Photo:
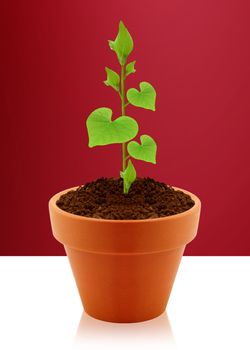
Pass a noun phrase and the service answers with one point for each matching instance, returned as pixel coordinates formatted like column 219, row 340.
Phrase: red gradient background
column 196, row 54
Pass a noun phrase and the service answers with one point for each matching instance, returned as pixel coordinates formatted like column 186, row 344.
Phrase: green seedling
column 102, row 130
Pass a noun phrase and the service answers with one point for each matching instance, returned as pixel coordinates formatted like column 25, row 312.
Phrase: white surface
column 209, row 309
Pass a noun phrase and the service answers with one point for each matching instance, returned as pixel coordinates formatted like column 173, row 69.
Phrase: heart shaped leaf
column 103, row 131
column 123, row 44
column 144, row 98
column 146, row 151
column 129, row 176
column 130, row 68
column 113, row 79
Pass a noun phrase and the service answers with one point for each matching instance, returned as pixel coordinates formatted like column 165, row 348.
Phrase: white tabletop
column 209, row 309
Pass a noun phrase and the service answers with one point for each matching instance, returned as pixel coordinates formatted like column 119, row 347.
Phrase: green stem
column 124, row 146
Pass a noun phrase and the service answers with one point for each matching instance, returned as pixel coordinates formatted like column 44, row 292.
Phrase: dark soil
column 104, row 199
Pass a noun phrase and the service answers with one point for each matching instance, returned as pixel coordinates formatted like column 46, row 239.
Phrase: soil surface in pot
column 104, row 199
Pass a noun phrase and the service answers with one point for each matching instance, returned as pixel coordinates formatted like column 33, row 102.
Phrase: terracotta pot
column 124, row 269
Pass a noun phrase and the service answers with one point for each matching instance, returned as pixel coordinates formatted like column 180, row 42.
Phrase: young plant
column 102, row 130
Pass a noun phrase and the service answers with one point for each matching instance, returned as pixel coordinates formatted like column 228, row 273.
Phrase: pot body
column 124, row 269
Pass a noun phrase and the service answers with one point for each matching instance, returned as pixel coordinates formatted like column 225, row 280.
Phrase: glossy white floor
column 209, row 309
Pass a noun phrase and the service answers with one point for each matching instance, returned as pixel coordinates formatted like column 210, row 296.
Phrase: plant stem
column 124, row 152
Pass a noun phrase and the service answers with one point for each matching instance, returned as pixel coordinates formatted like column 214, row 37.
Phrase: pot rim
column 55, row 197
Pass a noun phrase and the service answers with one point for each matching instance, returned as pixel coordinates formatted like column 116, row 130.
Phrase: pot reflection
column 99, row 334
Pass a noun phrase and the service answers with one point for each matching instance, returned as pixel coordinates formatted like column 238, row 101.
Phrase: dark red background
column 196, row 54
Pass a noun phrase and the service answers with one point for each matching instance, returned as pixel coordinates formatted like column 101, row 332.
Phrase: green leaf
column 113, row 79
column 129, row 176
column 130, row 68
column 144, row 98
column 103, row 131
column 123, row 44
column 146, row 151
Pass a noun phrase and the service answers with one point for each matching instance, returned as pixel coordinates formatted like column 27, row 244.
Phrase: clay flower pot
column 124, row 269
